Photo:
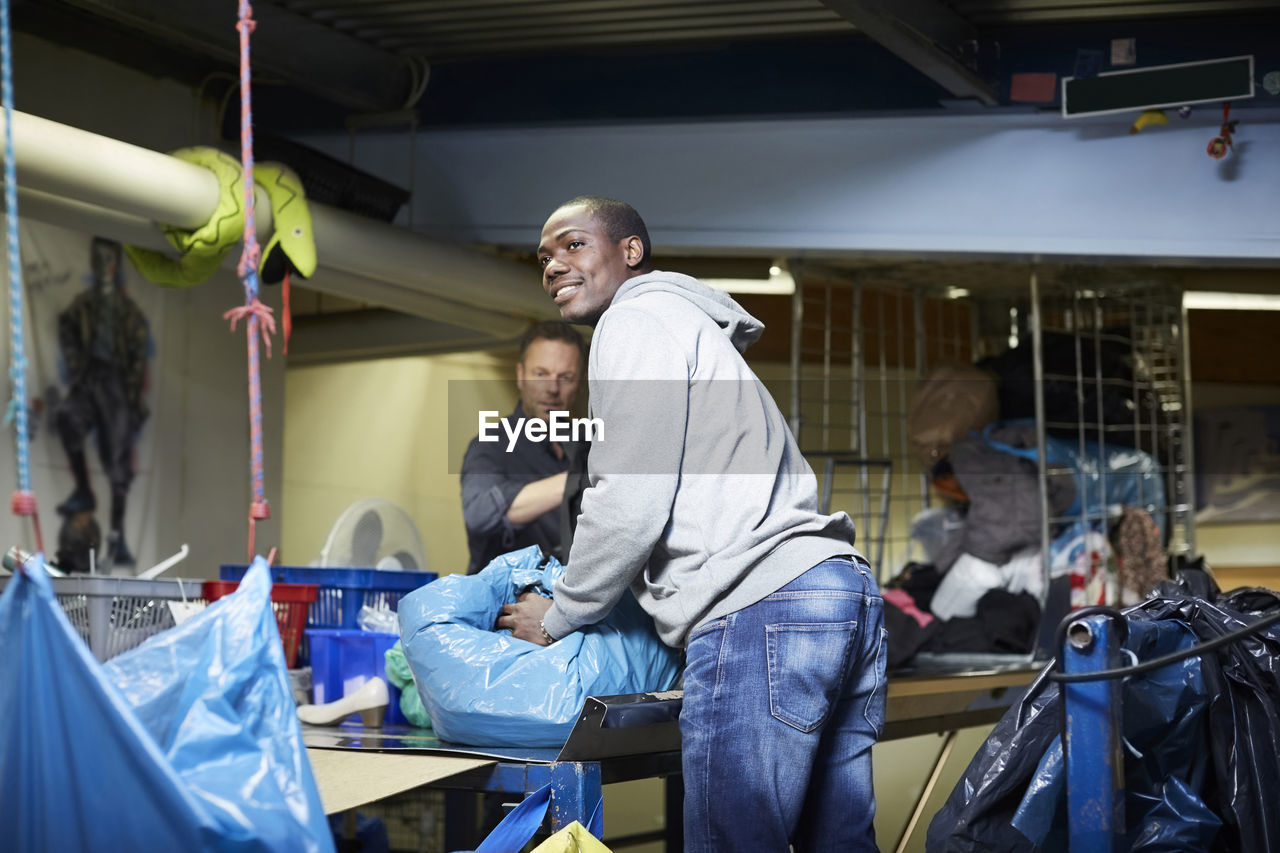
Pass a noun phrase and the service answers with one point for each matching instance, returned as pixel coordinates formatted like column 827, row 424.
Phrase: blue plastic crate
column 342, row 591
column 343, row 660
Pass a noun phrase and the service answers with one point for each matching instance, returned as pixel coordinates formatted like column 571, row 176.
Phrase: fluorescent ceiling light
column 779, row 283
column 1208, row 299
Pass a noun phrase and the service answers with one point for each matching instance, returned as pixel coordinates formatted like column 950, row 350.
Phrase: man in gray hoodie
column 701, row 505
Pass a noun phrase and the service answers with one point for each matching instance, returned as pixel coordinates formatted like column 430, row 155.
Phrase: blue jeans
column 782, row 703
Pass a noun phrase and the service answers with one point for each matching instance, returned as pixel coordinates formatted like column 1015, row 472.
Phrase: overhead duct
column 127, row 228
column 72, row 177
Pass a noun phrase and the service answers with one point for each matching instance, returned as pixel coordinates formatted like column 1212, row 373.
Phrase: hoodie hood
column 742, row 329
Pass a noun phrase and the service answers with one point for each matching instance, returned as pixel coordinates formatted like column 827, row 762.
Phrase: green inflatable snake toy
column 292, row 245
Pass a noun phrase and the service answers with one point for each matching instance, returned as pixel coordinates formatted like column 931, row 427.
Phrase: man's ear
column 633, row 251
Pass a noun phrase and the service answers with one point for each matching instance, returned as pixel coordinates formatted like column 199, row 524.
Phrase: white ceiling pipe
column 501, row 327
column 397, row 256
column 72, row 163
column 75, row 164
column 91, row 219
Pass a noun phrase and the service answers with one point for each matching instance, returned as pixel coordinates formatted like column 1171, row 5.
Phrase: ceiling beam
column 913, row 30
column 285, row 46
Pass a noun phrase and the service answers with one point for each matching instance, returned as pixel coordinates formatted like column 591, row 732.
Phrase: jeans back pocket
column 808, row 662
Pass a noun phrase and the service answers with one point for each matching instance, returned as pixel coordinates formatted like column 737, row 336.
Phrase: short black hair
column 553, row 330
column 620, row 220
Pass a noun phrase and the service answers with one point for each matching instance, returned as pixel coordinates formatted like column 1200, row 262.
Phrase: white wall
column 993, row 182
column 90, row 93
column 390, row 429
column 196, row 481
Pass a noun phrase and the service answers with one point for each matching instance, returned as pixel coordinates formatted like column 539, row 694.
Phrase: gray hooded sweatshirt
column 699, row 498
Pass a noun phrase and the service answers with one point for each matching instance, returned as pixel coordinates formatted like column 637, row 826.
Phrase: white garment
column 1024, row 573
column 963, row 585
column 970, row 578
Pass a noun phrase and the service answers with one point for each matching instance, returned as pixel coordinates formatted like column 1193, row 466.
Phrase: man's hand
column 524, row 618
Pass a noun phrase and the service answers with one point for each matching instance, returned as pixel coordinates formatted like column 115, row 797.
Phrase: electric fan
column 374, row 533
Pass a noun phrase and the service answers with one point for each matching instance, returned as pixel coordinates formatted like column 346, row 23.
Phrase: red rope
column 259, row 317
column 286, row 318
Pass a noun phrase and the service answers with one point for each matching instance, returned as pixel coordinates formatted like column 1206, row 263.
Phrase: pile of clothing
column 983, row 581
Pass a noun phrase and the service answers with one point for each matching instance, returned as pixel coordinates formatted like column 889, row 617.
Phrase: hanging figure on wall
column 104, row 339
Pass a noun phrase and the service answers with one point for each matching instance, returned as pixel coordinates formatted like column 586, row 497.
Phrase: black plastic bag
column 1244, row 725
column 1223, row 749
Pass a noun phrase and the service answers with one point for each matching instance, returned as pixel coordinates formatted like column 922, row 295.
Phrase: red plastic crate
column 290, row 602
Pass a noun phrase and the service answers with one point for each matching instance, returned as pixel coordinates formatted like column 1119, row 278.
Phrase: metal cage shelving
column 864, row 338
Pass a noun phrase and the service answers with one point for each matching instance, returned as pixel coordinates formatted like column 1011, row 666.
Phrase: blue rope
column 18, row 361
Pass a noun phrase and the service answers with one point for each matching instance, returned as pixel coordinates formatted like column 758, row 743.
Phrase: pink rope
column 260, row 321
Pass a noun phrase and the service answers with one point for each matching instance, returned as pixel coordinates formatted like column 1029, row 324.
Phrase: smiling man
column 701, row 505
column 512, row 488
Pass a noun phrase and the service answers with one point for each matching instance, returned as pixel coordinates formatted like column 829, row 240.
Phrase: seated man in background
column 511, row 497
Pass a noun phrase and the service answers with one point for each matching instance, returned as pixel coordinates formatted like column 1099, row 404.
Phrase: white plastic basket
column 114, row 614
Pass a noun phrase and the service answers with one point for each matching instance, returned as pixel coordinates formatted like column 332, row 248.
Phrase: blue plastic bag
column 1125, row 477
column 188, row 742
column 484, row 687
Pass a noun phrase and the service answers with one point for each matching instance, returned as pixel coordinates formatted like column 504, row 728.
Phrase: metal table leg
column 575, row 790
column 923, row 800
column 675, row 813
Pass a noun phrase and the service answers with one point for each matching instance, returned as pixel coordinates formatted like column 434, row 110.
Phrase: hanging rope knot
column 249, row 258
column 23, row 503
column 255, row 309
column 258, row 511
column 246, row 24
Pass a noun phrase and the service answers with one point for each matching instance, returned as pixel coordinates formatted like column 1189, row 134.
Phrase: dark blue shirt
column 491, row 479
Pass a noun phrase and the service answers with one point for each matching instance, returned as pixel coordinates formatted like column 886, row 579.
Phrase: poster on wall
column 91, row 328
column 1238, row 464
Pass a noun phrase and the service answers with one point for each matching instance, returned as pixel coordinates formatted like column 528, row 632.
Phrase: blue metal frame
column 1092, row 736
column 576, row 788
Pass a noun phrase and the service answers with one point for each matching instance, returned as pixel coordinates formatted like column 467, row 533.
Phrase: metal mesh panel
column 1144, row 325
column 862, row 342
column 862, row 347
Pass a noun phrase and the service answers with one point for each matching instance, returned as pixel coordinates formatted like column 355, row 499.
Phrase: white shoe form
column 370, row 701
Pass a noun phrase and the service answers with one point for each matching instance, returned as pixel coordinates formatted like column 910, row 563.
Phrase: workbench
column 618, row 739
